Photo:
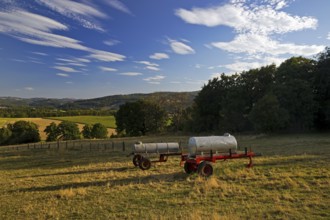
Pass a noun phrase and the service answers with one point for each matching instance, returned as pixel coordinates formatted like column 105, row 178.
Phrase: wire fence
column 91, row 145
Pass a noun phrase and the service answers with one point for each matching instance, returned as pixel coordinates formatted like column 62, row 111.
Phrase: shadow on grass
column 296, row 160
column 51, row 159
column 119, row 169
column 171, row 177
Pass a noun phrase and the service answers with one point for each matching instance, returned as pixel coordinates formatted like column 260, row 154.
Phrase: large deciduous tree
column 99, row 131
column 139, row 118
column 267, row 115
column 322, row 90
column 23, row 132
column 52, row 132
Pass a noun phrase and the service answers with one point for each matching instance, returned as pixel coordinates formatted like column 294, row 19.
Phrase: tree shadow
column 119, row 169
column 170, row 177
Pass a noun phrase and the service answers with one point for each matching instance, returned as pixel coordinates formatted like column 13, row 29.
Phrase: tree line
column 22, row 132
column 293, row 97
column 32, row 112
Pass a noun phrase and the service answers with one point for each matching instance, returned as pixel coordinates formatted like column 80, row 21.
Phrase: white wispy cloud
column 37, row 29
column 153, row 68
column 118, row 5
column 65, row 69
column 111, row 42
column 107, row 69
column 328, row 36
column 130, row 74
column 29, row 88
column 106, row 56
column 149, row 65
column 253, row 44
column 40, row 54
column 80, row 12
column 181, row 48
column 63, row 74
column 81, row 62
column 258, row 26
column 154, row 79
column 248, row 17
column 159, row 56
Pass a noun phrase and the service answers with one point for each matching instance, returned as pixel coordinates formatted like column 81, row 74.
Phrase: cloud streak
column 181, row 48
column 154, row 79
column 159, row 56
column 119, row 6
column 66, row 69
column 80, row 12
column 130, row 74
column 258, row 26
column 36, row 29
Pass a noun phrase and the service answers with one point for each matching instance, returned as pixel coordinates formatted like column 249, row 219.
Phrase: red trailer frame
column 199, row 163
column 202, row 163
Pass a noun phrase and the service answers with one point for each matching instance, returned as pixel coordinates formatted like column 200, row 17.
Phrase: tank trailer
column 202, row 152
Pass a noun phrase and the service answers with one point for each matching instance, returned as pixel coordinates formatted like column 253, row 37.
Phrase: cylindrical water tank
column 156, row 148
column 216, row 144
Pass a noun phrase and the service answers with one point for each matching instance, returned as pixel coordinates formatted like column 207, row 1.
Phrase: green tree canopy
column 267, row 115
column 23, row 132
column 87, row 131
column 68, row 130
column 5, row 135
column 52, row 132
column 139, row 118
column 99, row 131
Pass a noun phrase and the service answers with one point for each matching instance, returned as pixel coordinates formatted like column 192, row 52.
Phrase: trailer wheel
column 144, row 164
column 136, row 159
column 205, row 169
column 190, row 167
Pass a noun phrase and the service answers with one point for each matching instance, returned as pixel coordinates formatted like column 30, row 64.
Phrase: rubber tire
column 205, row 169
column 144, row 164
column 136, row 159
column 189, row 167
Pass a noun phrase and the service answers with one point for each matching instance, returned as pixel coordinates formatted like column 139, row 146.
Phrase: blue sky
column 87, row 49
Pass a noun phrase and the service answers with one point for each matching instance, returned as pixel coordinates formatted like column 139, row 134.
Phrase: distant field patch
column 41, row 122
column 108, row 121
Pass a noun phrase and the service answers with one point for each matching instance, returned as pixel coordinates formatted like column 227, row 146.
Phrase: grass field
column 290, row 181
column 108, row 121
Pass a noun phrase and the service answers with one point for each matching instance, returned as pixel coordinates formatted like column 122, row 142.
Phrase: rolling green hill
column 169, row 100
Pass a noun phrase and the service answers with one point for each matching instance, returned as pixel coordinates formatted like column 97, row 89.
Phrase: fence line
column 91, row 145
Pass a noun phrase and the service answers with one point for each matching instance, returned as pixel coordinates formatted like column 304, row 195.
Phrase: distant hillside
column 166, row 99
column 169, row 100
column 33, row 102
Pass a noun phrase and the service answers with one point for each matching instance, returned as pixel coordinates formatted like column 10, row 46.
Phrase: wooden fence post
column 124, row 146
column 113, row 146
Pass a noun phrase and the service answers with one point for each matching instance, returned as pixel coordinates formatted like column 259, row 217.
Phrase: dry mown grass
column 288, row 182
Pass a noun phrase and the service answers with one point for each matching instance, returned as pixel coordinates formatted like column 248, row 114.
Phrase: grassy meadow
column 290, row 181
column 108, row 121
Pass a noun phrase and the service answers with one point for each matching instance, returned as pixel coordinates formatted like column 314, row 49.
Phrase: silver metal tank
column 218, row 144
column 156, row 148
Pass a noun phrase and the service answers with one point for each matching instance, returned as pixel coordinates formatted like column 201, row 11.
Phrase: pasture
column 290, row 181
column 107, row 121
